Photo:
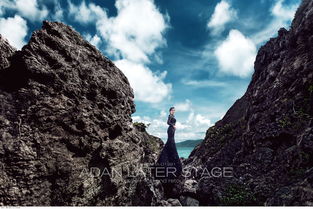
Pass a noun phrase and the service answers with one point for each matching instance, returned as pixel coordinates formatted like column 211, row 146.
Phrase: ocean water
column 184, row 151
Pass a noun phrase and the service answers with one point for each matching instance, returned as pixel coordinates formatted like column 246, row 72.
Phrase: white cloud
column 194, row 127
column 148, row 86
column 223, row 13
column 282, row 15
column 28, row 9
column 15, row 30
column 6, row 4
column 137, row 30
column 283, row 12
column 200, row 119
column 236, row 54
column 84, row 13
column 162, row 113
column 94, row 40
column 185, row 106
column 204, row 83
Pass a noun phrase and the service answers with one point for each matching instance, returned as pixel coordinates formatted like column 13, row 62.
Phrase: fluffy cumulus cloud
column 198, row 119
column 183, row 106
column 136, row 31
column 282, row 15
column 194, row 127
column 84, row 13
column 223, row 13
column 283, row 12
column 148, row 86
column 236, row 54
column 29, row 9
column 134, row 34
column 132, row 37
column 14, row 29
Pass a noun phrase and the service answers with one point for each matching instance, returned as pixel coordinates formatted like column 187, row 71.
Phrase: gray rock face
column 6, row 52
column 188, row 201
column 190, row 186
column 170, row 202
column 65, row 126
column 266, row 136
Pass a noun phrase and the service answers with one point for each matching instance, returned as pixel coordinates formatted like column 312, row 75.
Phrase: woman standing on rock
column 168, row 164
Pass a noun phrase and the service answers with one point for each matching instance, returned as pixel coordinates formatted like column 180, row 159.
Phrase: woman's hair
column 171, row 109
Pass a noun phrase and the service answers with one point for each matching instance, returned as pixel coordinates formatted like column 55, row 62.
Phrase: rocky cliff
column 266, row 137
column 66, row 128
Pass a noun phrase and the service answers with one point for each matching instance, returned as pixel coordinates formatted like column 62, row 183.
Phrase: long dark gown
column 168, row 163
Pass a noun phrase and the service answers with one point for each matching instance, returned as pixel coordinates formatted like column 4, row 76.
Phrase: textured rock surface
column 65, row 125
column 267, row 135
column 6, row 52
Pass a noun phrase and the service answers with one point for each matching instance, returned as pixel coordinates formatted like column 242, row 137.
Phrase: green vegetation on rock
column 238, row 194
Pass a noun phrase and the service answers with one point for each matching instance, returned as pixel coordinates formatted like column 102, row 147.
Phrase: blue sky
column 195, row 55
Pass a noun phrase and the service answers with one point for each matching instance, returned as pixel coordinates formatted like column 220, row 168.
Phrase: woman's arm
column 169, row 121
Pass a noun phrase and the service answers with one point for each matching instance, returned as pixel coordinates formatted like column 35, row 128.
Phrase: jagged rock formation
column 267, row 135
column 6, row 52
column 65, row 126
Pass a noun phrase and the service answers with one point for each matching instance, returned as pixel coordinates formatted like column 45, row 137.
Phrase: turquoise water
column 184, row 151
